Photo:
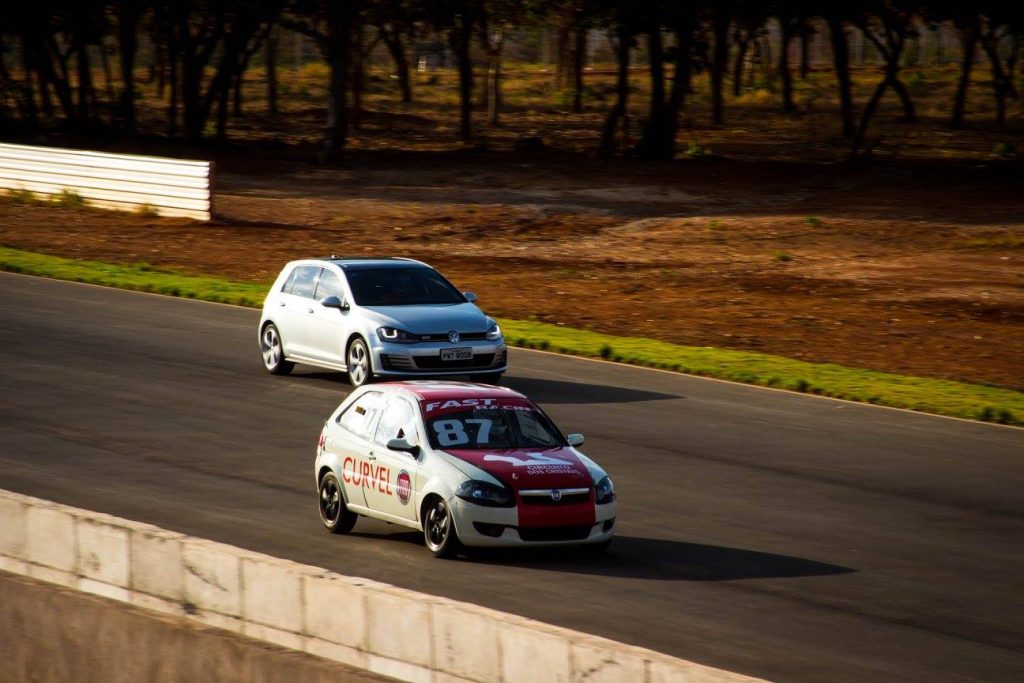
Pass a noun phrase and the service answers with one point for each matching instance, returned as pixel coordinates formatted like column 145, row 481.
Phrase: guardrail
column 127, row 182
column 370, row 625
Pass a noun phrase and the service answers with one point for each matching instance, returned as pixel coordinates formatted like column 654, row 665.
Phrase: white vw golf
column 467, row 464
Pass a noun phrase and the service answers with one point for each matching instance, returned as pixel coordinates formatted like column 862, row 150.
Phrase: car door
column 293, row 305
column 327, row 328
column 350, row 440
column 399, row 468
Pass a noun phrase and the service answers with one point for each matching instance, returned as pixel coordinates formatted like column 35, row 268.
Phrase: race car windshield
column 401, row 287
column 494, row 428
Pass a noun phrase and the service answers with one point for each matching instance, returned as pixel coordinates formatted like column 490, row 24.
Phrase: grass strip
column 943, row 397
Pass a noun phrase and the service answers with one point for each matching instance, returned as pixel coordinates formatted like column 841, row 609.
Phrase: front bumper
column 487, row 527
column 424, row 358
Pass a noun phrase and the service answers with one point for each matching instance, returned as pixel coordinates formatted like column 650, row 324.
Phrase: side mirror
column 470, row 297
column 575, row 440
column 403, row 445
column 334, row 302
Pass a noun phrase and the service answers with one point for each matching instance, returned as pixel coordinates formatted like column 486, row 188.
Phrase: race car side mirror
column 575, row 440
column 470, row 297
column 403, row 445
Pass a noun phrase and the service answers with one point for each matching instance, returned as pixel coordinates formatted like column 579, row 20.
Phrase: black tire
column 490, row 378
column 357, row 359
column 334, row 515
column 439, row 530
column 272, row 349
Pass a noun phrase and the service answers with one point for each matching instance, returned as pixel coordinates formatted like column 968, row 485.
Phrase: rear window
column 359, row 417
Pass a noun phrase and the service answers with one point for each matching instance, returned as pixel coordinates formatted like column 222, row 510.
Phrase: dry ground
column 913, row 268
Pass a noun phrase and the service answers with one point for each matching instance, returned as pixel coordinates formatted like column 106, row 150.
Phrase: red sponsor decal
column 366, row 475
column 404, row 487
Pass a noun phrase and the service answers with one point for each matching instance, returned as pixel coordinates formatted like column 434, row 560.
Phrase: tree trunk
column 742, row 43
column 841, row 61
column 990, row 44
column 172, row 105
column 396, row 48
column 719, row 61
column 805, row 49
column 579, row 60
column 85, row 87
column 865, row 119
column 336, row 132
column 621, row 109
column 271, row 66
column 494, row 101
column 127, row 25
column 358, row 78
column 784, row 75
column 461, row 36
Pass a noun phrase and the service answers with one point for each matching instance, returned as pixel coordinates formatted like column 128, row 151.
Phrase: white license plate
column 456, row 354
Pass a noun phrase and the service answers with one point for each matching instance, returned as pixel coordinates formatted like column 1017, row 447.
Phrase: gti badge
column 454, row 337
column 556, row 495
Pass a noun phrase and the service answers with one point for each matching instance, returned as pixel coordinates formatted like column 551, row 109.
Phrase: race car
column 466, row 464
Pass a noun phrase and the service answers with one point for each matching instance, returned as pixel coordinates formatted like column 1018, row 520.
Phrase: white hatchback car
column 467, row 464
column 375, row 317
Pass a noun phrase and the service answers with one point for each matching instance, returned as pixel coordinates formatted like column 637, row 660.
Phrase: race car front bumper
column 490, row 527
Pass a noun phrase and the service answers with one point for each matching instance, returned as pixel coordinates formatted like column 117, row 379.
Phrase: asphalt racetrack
column 779, row 535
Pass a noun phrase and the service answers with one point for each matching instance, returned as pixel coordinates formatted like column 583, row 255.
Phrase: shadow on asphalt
column 632, row 557
column 540, row 390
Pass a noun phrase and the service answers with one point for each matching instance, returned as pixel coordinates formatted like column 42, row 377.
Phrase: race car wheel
column 439, row 529
column 491, row 378
column 273, row 351
column 334, row 515
column 360, row 370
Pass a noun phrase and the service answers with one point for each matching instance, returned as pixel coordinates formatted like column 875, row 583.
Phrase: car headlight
column 393, row 334
column 605, row 490
column 484, row 493
column 494, row 334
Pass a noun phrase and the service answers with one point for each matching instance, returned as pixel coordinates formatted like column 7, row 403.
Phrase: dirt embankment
column 910, row 269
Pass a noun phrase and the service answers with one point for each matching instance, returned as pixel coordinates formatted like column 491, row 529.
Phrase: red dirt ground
column 912, row 268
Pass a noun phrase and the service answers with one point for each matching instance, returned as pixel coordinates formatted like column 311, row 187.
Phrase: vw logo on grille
column 556, row 495
column 454, row 337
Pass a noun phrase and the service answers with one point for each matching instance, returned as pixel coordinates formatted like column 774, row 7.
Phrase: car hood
column 519, row 469
column 431, row 318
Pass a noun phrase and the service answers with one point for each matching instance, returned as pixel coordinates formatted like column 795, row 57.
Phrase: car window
column 329, row 285
column 287, row 287
column 359, row 417
column 396, row 422
column 401, row 287
column 303, row 281
column 493, row 427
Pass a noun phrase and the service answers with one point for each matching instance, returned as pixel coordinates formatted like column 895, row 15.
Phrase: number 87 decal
column 453, row 432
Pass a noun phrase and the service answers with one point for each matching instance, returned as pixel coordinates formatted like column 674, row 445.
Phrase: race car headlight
column 484, row 493
column 605, row 490
column 393, row 334
column 494, row 334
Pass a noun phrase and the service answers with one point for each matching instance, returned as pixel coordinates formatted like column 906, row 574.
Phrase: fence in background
column 124, row 182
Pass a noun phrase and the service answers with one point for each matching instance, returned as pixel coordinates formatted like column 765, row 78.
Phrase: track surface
column 779, row 535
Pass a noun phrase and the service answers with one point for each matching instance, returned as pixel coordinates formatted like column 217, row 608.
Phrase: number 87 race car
column 466, row 464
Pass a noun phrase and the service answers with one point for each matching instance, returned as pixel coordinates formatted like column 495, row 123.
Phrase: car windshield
column 401, row 287
column 494, row 428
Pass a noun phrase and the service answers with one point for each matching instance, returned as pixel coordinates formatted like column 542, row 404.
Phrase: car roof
column 375, row 262
column 433, row 390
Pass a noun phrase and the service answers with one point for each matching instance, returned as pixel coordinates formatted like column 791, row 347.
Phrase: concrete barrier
column 358, row 622
column 126, row 182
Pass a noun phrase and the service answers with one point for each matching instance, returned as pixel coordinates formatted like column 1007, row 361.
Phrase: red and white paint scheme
column 467, row 464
